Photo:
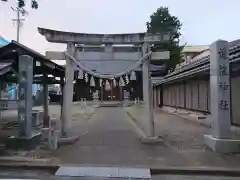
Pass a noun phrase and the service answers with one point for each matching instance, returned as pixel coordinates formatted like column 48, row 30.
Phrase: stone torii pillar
column 147, row 93
column 220, row 139
column 68, row 92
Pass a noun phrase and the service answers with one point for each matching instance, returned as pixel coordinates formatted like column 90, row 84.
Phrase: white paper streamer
column 86, row 77
column 80, row 74
column 107, row 86
column 114, row 83
column 100, row 82
column 121, row 82
column 133, row 76
column 127, row 79
column 92, row 82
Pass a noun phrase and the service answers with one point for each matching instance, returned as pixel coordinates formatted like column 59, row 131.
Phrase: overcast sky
column 203, row 21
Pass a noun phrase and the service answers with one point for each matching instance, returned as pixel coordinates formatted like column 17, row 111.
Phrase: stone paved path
column 109, row 139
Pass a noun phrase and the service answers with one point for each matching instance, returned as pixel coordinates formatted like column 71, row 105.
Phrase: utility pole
column 20, row 12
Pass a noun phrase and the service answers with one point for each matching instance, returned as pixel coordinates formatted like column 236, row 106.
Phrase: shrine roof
column 201, row 63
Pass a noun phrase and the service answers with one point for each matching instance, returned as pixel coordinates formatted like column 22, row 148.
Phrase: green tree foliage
column 21, row 3
column 163, row 21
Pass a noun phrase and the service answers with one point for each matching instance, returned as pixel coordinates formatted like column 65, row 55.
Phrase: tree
column 163, row 21
column 21, row 3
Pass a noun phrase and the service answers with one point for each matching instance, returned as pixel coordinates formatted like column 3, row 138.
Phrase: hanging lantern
column 114, row 83
column 80, row 74
column 107, row 86
column 121, row 82
column 133, row 76
column 92, row 82
column 100, row 82
column 127, row 79
column 86, row 77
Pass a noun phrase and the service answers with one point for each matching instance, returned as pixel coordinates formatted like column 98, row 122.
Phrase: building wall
column 189, row 94
column 235, row 94
column 194, row 94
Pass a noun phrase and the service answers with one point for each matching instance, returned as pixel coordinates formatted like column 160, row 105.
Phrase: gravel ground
column 79, row 118
column 185, row 138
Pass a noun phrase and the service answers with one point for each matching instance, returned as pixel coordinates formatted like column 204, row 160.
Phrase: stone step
column 116, row 104
column 104, row 172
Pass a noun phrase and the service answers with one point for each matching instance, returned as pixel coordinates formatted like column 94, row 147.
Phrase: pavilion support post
column 68, row 92
column 101, row 93
column 1, row 89
column 46, row 118
column 220, row 139
column 147, row 94
column 61, row 100
column 161, row 96
column 121, row 93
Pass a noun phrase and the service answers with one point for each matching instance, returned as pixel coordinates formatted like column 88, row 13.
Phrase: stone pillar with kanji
column 220, row 139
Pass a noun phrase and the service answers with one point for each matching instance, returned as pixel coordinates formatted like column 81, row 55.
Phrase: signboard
column 161, row 55
column 55, row 55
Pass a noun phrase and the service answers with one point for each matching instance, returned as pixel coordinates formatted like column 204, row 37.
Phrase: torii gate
column 71, row 39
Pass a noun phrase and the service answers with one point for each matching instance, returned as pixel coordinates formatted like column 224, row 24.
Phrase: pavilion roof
column 10, row 53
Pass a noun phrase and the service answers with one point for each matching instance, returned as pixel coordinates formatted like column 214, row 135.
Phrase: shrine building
column 111, row 59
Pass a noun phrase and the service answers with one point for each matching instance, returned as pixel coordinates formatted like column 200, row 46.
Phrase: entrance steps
column 116, row 104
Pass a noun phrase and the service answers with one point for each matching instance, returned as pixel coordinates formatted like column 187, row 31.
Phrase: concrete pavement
column 111, row 139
